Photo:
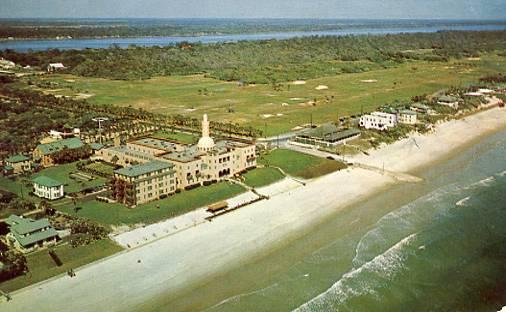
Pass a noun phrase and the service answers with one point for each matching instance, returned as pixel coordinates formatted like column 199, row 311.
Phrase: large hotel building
column 155, row 168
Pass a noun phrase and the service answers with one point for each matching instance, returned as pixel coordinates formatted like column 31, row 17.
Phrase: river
column 367, row 27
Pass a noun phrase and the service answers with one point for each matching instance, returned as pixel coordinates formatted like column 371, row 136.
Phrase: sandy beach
column 123, row 282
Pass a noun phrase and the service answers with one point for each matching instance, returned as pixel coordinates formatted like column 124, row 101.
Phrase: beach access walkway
column 144, row 234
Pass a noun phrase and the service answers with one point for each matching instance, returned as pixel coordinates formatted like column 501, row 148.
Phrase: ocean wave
column 463, row 201
column 502, row 174
column 483, row 182
column 414, row 216
column 238, row 297
column 402, row 221
column 384, row 266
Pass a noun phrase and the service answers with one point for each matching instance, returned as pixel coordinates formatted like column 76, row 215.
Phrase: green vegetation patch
column 262, row 176
column 155, row 211
column 41, row 266
column 299, row 164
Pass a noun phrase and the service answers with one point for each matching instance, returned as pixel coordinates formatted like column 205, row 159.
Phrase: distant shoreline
column 81, row 37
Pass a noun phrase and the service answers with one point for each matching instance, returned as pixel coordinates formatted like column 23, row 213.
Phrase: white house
column 407, row 117
column 6, row 64
column 379, row 121
column 52, row 67
column 48, row 188
column 61, row 135
column 449, row 101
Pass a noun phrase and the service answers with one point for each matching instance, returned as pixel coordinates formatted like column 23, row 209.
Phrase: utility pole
column 100, row 120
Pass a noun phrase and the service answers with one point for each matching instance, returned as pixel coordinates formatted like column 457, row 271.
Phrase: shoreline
column 173, row 263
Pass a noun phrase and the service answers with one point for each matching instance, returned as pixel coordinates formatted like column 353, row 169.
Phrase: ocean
column 342, row 27
column 439, row 245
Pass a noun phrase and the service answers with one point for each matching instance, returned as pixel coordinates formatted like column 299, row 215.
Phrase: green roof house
column 28, row 234
column 18, row 163
column 48, row 188
column 44, row 151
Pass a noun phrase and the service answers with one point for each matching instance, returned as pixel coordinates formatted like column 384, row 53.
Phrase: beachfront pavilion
column 327, row 135
column 27, row 234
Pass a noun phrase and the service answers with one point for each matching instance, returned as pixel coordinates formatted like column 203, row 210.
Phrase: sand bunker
column 284, row 104
column 83, row 96
column 279, row 114
column 189, row 110
column 296, row 99
column 321, row 87
column 369, row 80
column 299, row 82
column 267, row 115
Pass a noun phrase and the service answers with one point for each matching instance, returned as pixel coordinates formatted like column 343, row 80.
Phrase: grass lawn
column 172, row 206
column 17, row 187
column 262, row 176
column 42, row 266
column 262, row 107
column 21, row 187
column 299, row 164
column 176, row 136
column 62, row 173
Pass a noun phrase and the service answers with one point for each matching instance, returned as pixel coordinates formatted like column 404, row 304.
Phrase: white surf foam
column 385, row 265
column 238, row 297
column 463, row 201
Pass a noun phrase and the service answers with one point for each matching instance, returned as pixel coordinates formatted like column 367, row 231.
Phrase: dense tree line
column 268, row 61
column 99, row 28
column 68, row 155
column 19, row 132
column 85, row 232
column 24, row 121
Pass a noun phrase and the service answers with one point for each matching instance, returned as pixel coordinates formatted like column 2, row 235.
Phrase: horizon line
column 265, row 18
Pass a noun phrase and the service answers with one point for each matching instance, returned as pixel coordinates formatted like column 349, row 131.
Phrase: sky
column 371, row 9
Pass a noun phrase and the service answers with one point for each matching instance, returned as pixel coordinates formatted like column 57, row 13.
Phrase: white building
column 61, row 135
column 6, row 64
column 52, row 67
column 48, row 188
column 407, row 117
column 378, row 121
